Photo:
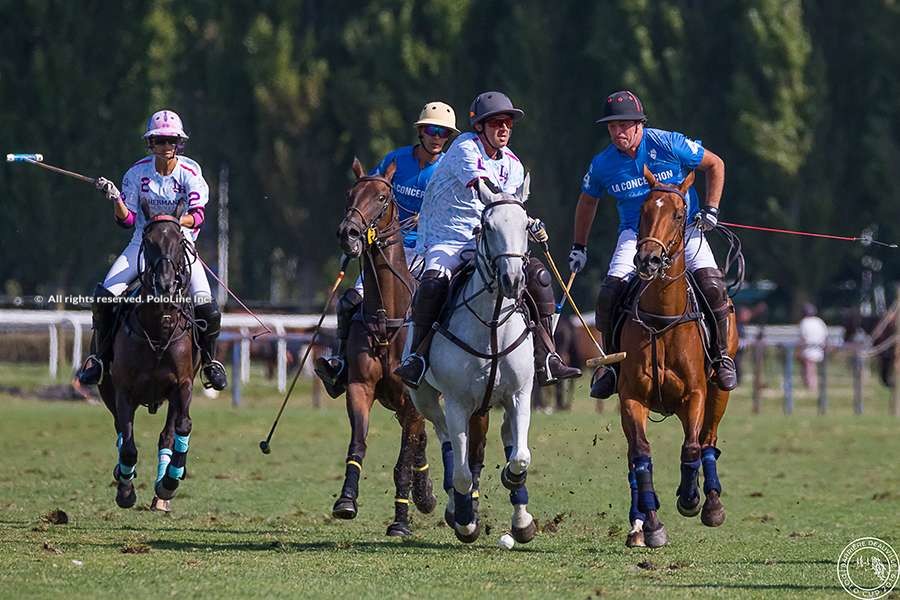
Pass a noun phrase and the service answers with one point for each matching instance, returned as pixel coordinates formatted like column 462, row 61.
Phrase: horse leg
column 422, row 488
column 713, row 513
column 427, row 401
column 646, row 528
column 523, row 527
column 166, row 443
column 687, row 496
column 478, row 428
column 125, row 471
column 403, row 469
column 168, row 485
column 360, row 396
column 466, row 525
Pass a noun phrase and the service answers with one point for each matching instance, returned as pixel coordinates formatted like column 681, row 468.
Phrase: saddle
column 698, row 310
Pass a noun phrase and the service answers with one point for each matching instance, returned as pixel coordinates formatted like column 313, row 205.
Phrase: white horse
column 483, row 355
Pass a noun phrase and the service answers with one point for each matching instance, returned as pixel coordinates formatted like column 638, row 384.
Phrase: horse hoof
column 523, row 535
column 426, row 506
column 511, row 481
column 448, row 518
column 160, row 505
column 126, row 497
column 656, row 538
column 635, row 539
column 164, row 493
column 399, row 529
column 713, row 513
column 344, row 508
column 687, row 511
column 470, row 537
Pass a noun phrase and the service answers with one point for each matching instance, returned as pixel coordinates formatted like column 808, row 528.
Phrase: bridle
column 485, row 260
column 182, row 268
column 667, row 256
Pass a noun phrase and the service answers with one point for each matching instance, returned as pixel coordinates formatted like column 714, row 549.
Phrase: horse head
column 370, row 207
column 503, row 241
column 661, row 235
column 165, row 269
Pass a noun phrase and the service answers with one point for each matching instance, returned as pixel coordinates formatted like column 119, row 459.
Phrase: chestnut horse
column 371, row 232
column 666, row 370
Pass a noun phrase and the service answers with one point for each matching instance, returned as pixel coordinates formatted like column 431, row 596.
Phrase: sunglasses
column 162, row 141
column 436, row 131
column 499, row 122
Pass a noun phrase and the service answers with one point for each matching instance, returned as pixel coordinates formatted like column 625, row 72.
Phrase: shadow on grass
column 785, row 587
column 322, row 546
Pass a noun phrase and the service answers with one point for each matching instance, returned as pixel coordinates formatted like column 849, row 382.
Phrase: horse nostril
column 655, row 261
column 353, row 232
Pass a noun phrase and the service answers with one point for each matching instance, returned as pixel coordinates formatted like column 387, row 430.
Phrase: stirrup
column 210, row 380
column 84, row 366
column 330, row 369
column 599, row 389
column 405, row 370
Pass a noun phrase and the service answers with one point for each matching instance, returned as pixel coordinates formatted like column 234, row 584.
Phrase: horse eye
column 382, row 198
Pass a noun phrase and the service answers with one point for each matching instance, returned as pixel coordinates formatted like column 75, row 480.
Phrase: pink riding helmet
column 166, row 123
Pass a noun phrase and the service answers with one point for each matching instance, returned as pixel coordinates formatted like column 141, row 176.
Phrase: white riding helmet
column 165, row 123
column 438, row 113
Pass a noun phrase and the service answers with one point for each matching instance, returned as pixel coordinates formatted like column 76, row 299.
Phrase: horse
column 371, row 232
column 155, row 359
column 482, row 355
column 666, row 371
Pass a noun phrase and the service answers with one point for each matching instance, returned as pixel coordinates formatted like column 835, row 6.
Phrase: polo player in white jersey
column 451, row 211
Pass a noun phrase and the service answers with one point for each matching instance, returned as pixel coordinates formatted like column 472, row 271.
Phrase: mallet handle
column 90, row 180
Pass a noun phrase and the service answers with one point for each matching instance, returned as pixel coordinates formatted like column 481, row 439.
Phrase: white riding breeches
column 413, row 263
column 697, row 253
column 447, row 257
column 126, row 269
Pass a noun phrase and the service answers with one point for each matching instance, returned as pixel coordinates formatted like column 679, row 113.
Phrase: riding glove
column 108, row 188
column 708, row 218
column 537, row 231
column 577, row 257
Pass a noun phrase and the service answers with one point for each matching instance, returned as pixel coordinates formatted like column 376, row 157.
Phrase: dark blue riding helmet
column 622, row 106
column 488, row 104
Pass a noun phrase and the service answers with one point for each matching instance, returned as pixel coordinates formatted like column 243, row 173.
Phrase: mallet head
column 24, row 157
column 264, row 446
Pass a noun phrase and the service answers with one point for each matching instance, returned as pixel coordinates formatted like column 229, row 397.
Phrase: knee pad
column 712, row 284
column 538, row 282
column 209, row 312
column 433, row 286
column 348, row 301
column 610, row 291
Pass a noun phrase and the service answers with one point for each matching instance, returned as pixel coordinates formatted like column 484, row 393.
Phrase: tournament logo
column 868, row 568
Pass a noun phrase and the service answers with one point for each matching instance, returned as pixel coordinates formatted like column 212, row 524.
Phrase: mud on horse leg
column 422, row 488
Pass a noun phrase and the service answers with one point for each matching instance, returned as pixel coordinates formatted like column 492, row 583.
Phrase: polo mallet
column 604, row 358
column 264, row 444
column 38, row 159
column 560, row 304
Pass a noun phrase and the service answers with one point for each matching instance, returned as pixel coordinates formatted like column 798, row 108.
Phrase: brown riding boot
column 605, row 380
column 548, row 366
column 430, row 299
column 712, row 284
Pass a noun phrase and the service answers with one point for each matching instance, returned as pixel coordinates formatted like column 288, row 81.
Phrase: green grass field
column 797, row 490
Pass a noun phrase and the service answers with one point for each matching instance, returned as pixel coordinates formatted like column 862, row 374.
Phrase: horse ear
column 389, row 172
column 358, row 168
column 180, row 208
column 649, row 177
column 145, row 208
column 525, row 189
column 687, row 183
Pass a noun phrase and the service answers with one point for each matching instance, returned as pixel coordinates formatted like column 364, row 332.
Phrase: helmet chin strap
column 425, row 148
column 484, row 140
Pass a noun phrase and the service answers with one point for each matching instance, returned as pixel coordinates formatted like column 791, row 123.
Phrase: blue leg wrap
column 710, row 475
column 634, row 513
column 165, row 457
column 463, row 512
column 643, row 474
column 181, row 443
column 179, row 457
column 507, row 450
column 520, row 494
column 447, row 459
column 687, row 489
column 126, row 471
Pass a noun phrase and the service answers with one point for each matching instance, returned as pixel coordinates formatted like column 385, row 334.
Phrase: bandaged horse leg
column 168, row 485
column 466, row 524
column 165, row 445
column 413, row 429
column 422, row 488
column 713, row 513
column 333, row 370
column 125, row 471
column 523, row 527
column 605, row 378
column 548, row 366
column 427, row 305
column 360, row 397
column 646, row 528
column 688, row 493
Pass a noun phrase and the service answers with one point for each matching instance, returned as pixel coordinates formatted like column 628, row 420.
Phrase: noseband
column 369, row 227
column 666, row 256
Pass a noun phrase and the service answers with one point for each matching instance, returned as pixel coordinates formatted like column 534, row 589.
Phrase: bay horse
column 154, row 358
column 666, row 370
column 482, row 355
column 372, row 232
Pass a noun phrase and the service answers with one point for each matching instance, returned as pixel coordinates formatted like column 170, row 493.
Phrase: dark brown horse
column 666, row 370
column 154, row 359
column 371, row 232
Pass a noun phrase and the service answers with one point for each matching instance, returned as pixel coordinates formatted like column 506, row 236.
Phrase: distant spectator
column 813, row 337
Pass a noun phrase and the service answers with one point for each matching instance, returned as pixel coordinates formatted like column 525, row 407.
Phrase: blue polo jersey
column 409, row 185
column 669, row 155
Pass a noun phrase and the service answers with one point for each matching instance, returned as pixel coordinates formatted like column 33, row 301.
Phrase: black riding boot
column 712, row 284
column 213, row 371
column 430, row 298
column 548, row 366
column 605, row 381
column 103, row 322
column 333, row 370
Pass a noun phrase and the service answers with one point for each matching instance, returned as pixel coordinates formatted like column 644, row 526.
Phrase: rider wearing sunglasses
column 618, row 172
column 415, row 165
column 450, row 213
column 163, row 179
